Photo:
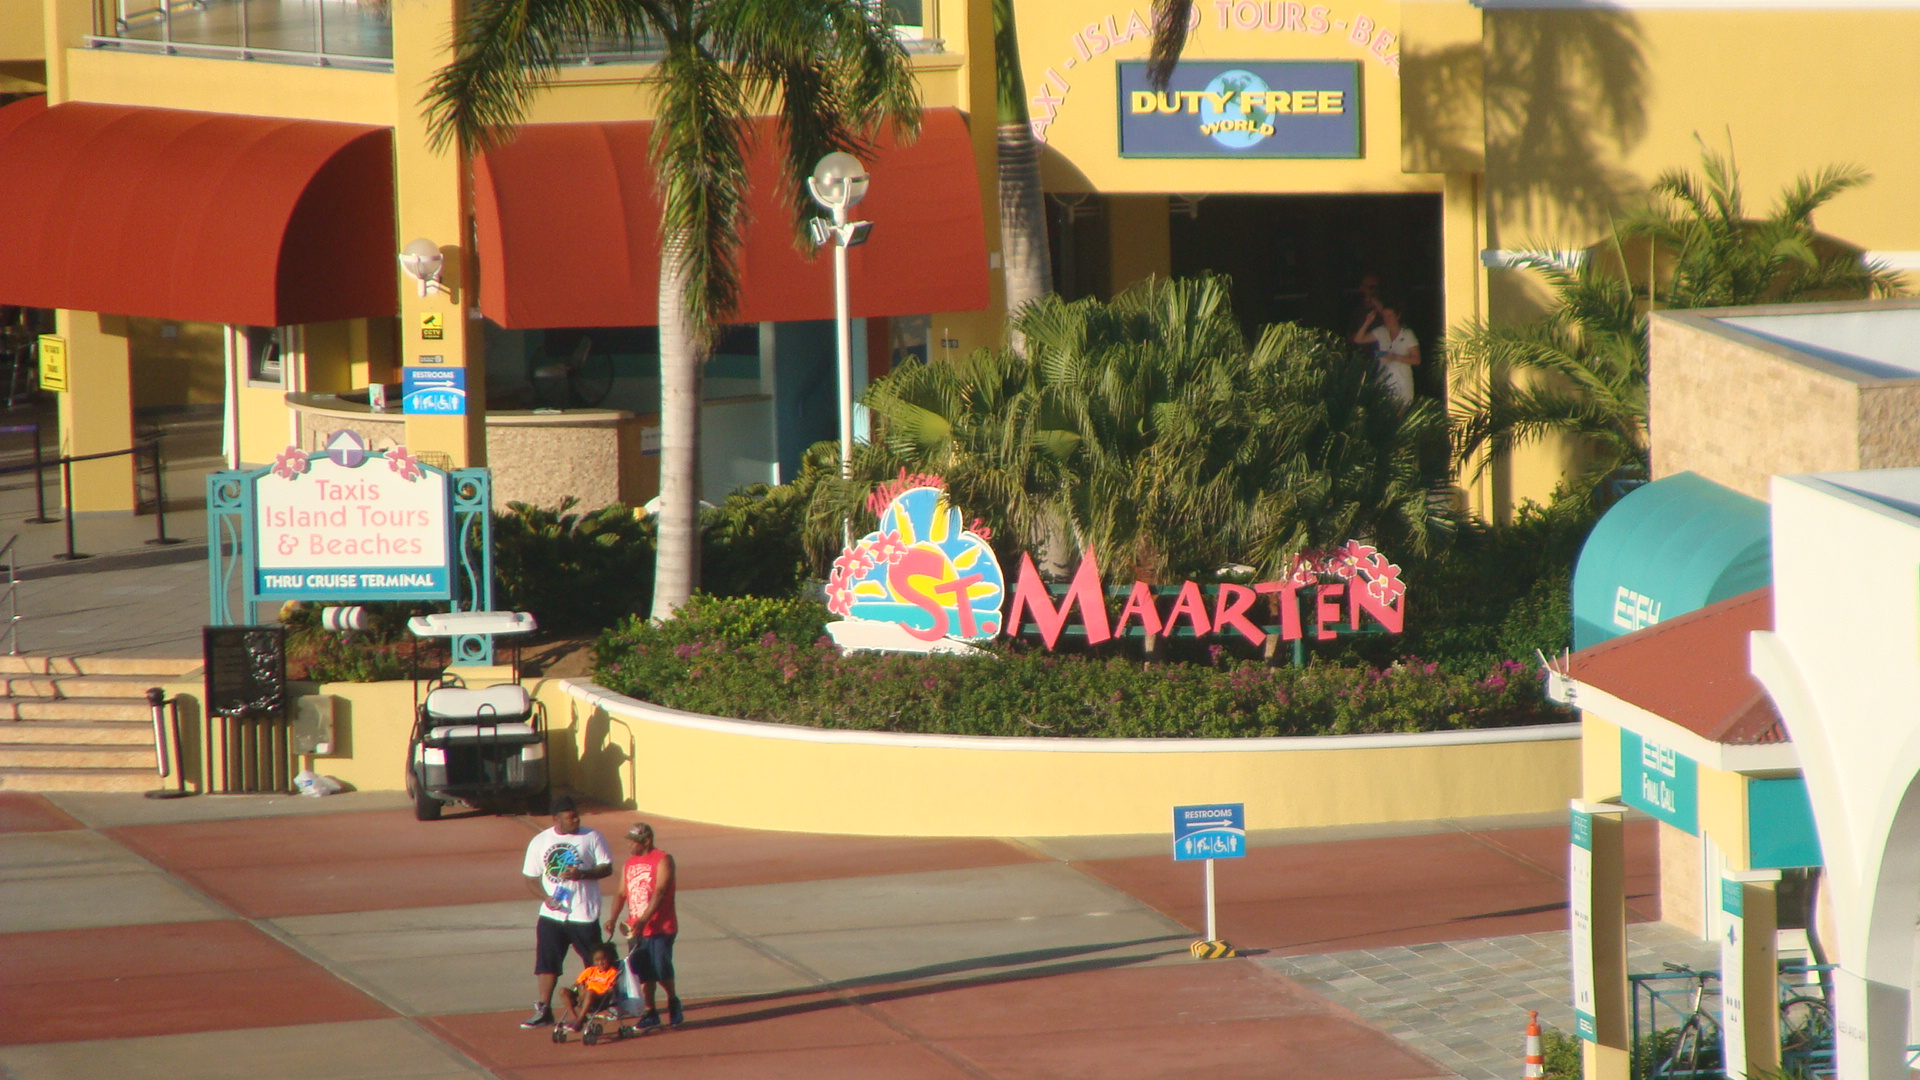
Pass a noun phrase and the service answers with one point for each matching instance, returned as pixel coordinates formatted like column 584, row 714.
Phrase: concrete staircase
column 80, row 723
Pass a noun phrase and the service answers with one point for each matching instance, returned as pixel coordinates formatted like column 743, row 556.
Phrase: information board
column 1213, row 831
column 1580, row 901
column 352, row 524
column 1733, row 979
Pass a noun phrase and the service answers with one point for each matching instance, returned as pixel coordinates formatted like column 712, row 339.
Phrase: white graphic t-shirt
column 552, row 852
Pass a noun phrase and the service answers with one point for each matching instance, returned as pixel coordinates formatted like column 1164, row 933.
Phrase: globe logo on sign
column 1230, row 125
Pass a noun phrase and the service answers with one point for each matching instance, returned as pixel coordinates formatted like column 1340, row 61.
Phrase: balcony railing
column 332, row 33
column 356, row 34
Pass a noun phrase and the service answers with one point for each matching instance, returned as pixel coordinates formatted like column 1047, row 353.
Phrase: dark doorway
column 1300, row 258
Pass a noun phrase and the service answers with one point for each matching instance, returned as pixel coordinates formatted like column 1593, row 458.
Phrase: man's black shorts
column 651, row 957
column 552, row 938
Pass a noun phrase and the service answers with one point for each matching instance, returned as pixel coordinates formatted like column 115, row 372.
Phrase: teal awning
column 1672, row 546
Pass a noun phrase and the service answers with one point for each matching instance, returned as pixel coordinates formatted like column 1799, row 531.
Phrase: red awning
column 209, row 217
column 567, row 230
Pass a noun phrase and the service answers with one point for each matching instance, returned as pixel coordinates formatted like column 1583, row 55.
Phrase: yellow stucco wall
column 1722, row 815
column 746, row 775
column 749, row 777
column 1082, row 135
column 296, row 91
column 1540, row 126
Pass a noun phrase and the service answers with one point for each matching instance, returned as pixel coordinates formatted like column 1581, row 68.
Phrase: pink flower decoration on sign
column 404, row 463
column 1306, row 569
column 888, row 549
column 840, row 590
column 290, row 463
column 1383, row 581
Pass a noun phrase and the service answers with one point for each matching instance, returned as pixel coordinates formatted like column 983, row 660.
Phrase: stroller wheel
column 590, row 1036
column 559, row 1033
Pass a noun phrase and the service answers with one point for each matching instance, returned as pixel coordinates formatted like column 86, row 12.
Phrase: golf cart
column 482, row 746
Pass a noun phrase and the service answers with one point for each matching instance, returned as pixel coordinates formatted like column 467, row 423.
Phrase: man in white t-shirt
column 1395, row 350
column 563, row 869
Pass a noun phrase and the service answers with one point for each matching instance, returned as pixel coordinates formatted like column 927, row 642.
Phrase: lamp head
column 838, row 181
column 422, row 261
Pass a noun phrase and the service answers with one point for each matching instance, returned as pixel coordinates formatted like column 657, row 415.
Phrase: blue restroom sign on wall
column 434, row 391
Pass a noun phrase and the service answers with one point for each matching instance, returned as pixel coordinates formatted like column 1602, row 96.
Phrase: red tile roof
column 1692, row 670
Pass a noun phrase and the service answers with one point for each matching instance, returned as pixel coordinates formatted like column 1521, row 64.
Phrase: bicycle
column 1696, row 1047
column 582, row 379
column 1806, row 1034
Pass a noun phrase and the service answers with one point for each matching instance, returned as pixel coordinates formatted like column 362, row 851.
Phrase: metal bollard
column 157, row 701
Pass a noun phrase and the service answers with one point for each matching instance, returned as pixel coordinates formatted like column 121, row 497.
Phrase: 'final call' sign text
column 1244, row 109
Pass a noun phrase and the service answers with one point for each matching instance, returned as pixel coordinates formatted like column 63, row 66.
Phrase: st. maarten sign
column 923, row 582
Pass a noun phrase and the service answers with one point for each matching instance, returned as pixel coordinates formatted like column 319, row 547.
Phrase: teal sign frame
column 234, row 577
column 1661, row 781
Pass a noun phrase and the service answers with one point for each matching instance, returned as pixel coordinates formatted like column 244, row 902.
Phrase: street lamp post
column 838, row 182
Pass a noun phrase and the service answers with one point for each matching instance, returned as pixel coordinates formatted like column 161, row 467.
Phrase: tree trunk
column 1026, row 261
column 676, row 567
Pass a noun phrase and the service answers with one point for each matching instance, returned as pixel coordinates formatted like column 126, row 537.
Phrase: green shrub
column 766, row 660
column 573, row 571
column 1562, row 1053
column 353, row 658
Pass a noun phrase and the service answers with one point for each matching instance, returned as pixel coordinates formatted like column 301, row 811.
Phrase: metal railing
column 150, row 445
column 197, row 27
column 13, row 596
column 193, row 27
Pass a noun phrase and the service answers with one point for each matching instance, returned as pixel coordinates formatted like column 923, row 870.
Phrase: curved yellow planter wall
column 775, row 776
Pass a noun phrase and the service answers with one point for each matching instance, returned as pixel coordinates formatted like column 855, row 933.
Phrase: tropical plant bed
column 765, row 660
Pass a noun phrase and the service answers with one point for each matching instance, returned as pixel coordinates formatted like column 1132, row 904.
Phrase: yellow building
column 1302, row 147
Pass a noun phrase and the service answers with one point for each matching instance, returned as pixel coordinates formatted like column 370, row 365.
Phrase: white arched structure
column 1842, row 665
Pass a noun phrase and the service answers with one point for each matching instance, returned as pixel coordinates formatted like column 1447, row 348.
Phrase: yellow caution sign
column 1211, row 950
column 53, row 363
column 432, row 326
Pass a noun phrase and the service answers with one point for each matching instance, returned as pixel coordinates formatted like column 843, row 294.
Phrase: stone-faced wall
column 1738, row 409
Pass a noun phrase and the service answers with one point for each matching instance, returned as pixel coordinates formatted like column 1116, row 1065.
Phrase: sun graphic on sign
column 923, row 570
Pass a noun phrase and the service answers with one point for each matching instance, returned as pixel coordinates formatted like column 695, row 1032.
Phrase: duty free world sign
column 1242, row 109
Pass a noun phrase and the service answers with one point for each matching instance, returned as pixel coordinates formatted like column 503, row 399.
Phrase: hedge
column 766, row 660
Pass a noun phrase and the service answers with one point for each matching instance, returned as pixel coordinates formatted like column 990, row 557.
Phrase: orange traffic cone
column 1536, row 1061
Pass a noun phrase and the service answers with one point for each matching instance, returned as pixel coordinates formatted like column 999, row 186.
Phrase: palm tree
column 831, row 70
column 1581, row 372
column 1025, row 257
column 1722, row 258
column 1148, row 428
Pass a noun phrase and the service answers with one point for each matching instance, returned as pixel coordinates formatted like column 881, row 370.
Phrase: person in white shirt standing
column 563, row 868
column 1396, row 350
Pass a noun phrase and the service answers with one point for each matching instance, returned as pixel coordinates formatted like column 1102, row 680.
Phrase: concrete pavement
column 320, row 938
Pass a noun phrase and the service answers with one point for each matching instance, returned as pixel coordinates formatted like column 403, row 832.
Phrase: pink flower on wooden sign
column 290, row 463
column 404, row 463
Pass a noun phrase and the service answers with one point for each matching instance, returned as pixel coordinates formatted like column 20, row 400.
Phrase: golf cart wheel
column 425, row 806
column 590, row 1036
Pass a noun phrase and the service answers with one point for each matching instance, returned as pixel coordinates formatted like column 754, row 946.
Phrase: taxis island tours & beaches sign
column 924, row 582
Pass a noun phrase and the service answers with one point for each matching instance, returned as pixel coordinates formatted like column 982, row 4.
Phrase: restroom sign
column 1242, row 109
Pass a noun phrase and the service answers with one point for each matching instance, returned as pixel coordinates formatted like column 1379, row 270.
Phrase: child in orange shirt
column 595, row 989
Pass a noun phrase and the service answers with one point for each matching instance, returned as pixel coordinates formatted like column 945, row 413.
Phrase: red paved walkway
column 1112, row 1020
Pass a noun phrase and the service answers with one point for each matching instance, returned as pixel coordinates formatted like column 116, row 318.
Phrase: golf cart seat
column 494, row 712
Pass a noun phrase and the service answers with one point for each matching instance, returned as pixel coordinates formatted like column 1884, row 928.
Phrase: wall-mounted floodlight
column 422, row 261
